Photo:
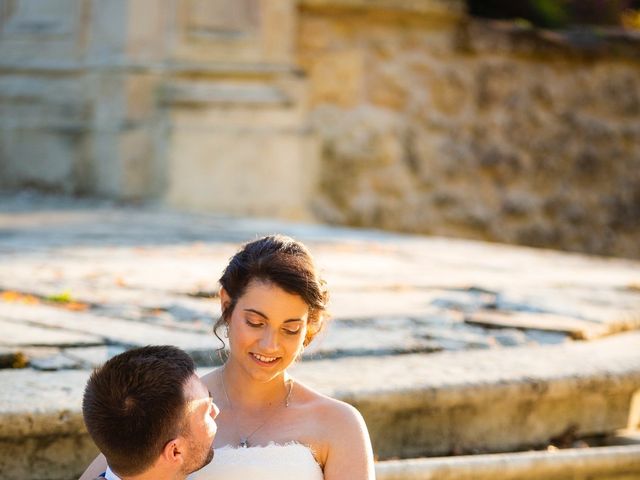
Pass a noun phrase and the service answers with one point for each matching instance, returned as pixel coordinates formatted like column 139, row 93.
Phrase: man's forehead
column 196, row 393
column 197, row 404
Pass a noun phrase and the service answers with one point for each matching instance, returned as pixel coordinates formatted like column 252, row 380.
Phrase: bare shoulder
column 339, row 414
column 333, row 412
column 337, row 424
column 345, row 451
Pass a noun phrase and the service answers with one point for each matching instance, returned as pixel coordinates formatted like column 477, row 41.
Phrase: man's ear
column 225, row 299
column 173, row 452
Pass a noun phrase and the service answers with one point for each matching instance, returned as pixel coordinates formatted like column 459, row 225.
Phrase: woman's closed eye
column 292, row 330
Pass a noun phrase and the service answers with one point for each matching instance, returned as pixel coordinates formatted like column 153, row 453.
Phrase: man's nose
column 215, row 411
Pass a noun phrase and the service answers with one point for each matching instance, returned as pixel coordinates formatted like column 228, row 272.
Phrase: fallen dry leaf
column 633, row 287
column 20, row 360
column 75, row 306
column 11, row 296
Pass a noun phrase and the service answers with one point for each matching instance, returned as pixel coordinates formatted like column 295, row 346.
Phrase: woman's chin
column 266, row 371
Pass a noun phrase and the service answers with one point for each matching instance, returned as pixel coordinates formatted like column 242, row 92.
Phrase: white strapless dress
column 292, row 461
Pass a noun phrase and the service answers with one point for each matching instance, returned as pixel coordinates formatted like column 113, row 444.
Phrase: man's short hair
column 135, row 403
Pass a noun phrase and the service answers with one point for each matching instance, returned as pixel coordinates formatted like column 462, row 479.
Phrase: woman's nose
column 269, row 341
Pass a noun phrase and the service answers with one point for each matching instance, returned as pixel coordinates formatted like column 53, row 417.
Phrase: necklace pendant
column 244, row 443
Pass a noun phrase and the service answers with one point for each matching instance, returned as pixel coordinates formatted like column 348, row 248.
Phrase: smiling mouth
column 264, row 359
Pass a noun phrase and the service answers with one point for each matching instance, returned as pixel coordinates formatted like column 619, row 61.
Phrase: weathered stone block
column 107, row 39
column 147, row 25
column 233, row 31
column 337, row 78
column 39, row 457
column 242, row 172
column 122, row 32
column 490, row 121
column 36, row 32
column 123, row 100
column 121, row 163
column 230, row 17
column 41, row 101
column 42, row 159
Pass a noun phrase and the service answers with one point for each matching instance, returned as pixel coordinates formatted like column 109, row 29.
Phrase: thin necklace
column 244, row 440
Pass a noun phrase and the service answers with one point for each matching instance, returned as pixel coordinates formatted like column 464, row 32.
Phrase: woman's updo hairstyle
column 284, row 262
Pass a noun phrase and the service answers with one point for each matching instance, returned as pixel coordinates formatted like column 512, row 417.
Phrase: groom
column 150, row 415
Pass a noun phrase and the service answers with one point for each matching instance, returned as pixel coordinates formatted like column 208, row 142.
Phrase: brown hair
column 284, row 262
column 135, row 403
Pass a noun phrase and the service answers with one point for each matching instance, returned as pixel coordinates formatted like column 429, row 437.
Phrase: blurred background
column 142, row 141
column 506, row 121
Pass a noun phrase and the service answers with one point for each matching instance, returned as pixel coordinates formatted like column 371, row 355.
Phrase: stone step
column 493, row 400
column 102, row 328
column 601, row 463
column 576, row 328
column 414, row 405
column 14, row 333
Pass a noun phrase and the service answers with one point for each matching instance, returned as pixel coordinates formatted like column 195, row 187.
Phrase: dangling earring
column 226, row 330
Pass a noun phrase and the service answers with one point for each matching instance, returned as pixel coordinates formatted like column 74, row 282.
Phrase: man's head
column 146, row 408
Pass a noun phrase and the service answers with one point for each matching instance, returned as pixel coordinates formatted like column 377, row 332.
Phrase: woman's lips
column 264, row 360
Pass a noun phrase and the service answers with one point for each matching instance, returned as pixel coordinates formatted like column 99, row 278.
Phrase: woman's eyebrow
column 258, row 312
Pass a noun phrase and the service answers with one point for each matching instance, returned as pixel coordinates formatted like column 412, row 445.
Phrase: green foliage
column 556, row 13
column 552, row 12
column 63, row 297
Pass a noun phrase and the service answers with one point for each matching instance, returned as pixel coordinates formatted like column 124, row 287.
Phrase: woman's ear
column 225, row 299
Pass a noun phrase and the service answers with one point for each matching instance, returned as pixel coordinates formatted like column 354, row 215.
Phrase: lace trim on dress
column 288, row 461
column 236, row 454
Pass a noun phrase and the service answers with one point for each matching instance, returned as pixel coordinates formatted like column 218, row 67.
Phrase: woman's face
column 266, row 329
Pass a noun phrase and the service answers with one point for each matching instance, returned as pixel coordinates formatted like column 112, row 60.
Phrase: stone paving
column 77, row 275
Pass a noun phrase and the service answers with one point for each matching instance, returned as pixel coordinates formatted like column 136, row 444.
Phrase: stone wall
column 433, row 123
column 399, row 114
column 193, row 103
column 76, row 98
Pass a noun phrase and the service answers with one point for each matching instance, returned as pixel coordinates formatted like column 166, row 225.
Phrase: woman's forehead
column 268, row 296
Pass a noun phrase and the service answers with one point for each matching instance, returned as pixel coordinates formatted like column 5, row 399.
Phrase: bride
column 271, row 426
